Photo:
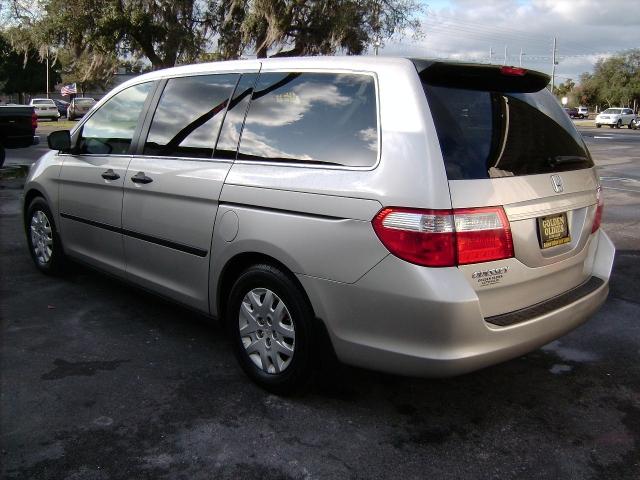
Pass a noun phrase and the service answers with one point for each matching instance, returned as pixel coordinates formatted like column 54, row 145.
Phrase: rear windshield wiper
column 561, row 159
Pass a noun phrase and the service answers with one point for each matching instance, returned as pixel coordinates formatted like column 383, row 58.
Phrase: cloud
column 585, row 30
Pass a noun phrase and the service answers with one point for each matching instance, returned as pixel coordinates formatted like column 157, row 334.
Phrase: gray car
column 417, row 217
column 79, row 107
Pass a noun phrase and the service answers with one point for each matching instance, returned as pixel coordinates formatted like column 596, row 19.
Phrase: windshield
column 486, row 134
column 613, row 110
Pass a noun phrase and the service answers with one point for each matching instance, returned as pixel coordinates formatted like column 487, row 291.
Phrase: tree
column 163, row 31
column 617, row 79
column 24, row 72
column 564, row 89
column 307, row 27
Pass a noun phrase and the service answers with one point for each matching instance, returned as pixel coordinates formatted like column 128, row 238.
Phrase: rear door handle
column 110, row 175
column 140, row 177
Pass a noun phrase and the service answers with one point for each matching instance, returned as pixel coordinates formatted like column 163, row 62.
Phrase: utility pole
column 490, row 55
column 553, row 67
column 47, row 64
column 505, row 55
column 521, row 54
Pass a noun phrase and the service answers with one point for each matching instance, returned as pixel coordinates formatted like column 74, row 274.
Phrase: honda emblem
column 558, row 185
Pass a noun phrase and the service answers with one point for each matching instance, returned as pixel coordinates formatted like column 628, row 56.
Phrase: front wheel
column 598, row 125
column 630, row 126
column 619, row 124
column 270, row 323
column 42, row 237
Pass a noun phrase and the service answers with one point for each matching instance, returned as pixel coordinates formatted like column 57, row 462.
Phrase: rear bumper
column 606, row 121
column 51, row 114
column 405, row 319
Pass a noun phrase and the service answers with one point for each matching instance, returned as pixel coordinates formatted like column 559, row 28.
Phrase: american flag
column 69, row 89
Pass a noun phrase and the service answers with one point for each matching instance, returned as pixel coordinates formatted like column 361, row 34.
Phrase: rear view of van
column 425, row 217
column 522, row 234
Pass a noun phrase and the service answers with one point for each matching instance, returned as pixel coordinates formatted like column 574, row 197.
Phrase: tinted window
column 489, row 134
column 188, row 117
column 232, row 126
column 110, row 129
column 312, row 118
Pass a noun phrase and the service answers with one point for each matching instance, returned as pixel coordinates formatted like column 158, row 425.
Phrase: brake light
column 513, row 71
column 600, row 206
column 445, row 238
column 34, row 120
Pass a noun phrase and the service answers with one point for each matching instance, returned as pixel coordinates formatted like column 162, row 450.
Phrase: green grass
column 59, row 125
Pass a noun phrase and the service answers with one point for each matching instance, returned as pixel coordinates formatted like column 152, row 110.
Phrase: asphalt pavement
column 100, row 380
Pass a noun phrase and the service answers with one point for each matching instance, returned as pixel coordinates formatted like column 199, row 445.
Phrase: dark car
column 17, row 128
column 572, row 112
column 62, row 107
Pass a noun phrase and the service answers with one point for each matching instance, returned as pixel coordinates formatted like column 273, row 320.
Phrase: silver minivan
column 417, row 217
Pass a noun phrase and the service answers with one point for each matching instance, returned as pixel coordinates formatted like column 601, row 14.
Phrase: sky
column 468, row 29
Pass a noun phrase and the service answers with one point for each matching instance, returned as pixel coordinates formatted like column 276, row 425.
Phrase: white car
column 583, row 112
column 45, row 108
column 615, row 117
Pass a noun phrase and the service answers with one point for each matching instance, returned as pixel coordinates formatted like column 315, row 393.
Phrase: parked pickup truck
column 18, row 125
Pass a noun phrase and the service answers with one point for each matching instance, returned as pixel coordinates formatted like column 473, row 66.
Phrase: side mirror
column 60, row 140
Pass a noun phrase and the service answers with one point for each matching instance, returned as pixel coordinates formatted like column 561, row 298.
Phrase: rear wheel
column 270, row 323
column 598, row 125
column 619, row 124
column 630, row 124
column 42, row 237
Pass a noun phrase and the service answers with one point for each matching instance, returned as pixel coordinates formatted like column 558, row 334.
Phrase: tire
column 630, row 126
column 598, row 125
column 2, row 156
column 276, row 353
column 619, row 124
column 41, row 233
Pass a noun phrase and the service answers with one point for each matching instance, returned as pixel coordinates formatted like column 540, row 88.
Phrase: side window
column 110, row 129
column 189, row 114
column 323, row 118
column 232, row 126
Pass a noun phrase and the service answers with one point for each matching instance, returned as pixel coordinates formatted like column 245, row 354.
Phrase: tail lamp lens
column 445, row 238
column 600, row 206
column 34, row 120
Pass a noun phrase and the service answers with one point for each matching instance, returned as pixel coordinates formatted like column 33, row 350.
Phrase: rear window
column 486, row 134
column 85, row 101
column 43, row 102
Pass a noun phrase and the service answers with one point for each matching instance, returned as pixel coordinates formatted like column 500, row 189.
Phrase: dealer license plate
column 553, row 230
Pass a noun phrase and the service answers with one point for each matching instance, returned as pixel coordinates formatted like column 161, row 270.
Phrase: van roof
column 351, row 62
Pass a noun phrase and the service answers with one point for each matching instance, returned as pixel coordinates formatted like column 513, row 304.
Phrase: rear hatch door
column 507, row 142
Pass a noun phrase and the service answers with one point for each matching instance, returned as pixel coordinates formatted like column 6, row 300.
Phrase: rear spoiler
column 473, row 76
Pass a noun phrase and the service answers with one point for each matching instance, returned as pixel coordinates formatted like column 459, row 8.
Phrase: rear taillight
column 34, row 120
column 445, row 238
column 600, row 206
